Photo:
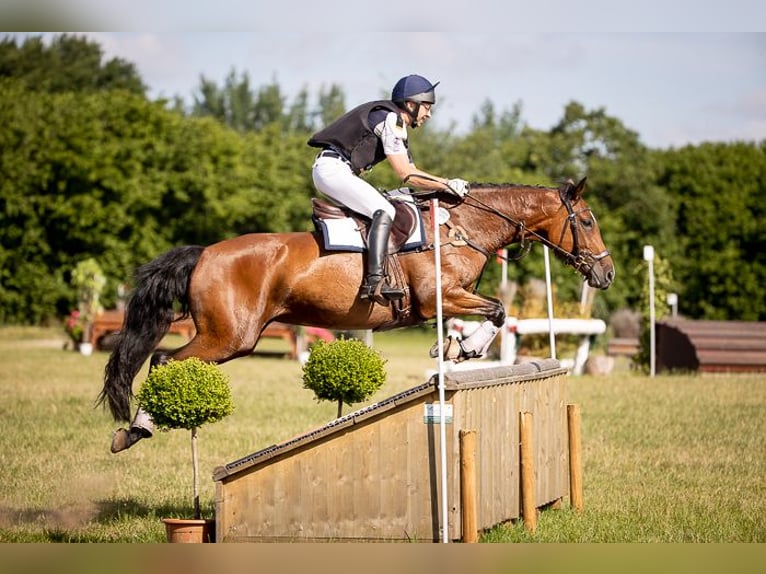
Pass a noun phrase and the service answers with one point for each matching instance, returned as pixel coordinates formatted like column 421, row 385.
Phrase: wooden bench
column 288, row 333
column 711, row 346
column 622, row 347
column 109, row 322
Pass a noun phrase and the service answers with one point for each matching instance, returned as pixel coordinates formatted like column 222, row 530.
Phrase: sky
column 681, row 76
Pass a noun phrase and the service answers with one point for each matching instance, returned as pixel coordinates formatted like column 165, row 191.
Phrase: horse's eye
column 587, row 223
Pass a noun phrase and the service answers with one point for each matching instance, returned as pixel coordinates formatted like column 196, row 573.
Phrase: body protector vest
column 353, row 136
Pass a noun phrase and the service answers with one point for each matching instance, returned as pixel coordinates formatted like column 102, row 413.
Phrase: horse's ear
column 578, row 190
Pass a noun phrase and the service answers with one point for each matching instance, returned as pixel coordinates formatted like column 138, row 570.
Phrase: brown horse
column 234, row 288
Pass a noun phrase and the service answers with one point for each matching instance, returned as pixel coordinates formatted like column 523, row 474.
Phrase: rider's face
column 424, row 112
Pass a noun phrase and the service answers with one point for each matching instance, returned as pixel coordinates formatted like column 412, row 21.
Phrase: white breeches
column 334, row 178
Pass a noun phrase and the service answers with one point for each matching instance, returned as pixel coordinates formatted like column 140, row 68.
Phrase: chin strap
column 414, row 115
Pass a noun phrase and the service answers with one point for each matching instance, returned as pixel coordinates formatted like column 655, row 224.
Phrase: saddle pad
column 344, row 235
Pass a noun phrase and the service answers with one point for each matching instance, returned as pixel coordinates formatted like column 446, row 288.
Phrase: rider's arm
column 393, row 134
column 415, row 177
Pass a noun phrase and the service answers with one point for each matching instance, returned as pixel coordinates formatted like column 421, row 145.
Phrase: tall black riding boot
column 377, row 247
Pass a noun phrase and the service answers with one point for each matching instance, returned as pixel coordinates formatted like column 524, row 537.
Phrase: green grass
column 670, row 459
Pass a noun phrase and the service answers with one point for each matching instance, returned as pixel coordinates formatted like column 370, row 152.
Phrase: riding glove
column 458, row 186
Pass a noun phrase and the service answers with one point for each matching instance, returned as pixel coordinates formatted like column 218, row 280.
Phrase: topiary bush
column 345, row 370
column 186, row 395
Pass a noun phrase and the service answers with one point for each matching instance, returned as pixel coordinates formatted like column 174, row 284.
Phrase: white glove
column 458, row 186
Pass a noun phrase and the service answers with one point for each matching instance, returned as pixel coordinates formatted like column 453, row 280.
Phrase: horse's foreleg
column 478, row 343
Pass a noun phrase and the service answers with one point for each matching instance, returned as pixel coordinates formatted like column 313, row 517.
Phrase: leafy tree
column 82, row 180
column 69, row 63
column 298, row 118
column 233, row 104
column 721, row 266
column 332, row 104
column 269, row 105
column 239, row 106
column 210, row 101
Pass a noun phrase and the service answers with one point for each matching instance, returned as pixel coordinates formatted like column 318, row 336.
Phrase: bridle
column 576, row 259
column 582, row 260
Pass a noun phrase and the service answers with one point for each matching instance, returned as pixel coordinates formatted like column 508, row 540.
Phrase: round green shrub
column 186, row 394
column 345, row 370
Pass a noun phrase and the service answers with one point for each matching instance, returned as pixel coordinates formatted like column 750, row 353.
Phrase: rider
column 359, row 140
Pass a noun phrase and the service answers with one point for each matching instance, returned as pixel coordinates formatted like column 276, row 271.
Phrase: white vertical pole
column 503, row 270
column 673, row 302
column 584, row 294
column 440, row 362
column 551, row 334
column 649, row 258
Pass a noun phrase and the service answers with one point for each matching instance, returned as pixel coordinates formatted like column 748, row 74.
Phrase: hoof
column 452, row 350
column 123, row 439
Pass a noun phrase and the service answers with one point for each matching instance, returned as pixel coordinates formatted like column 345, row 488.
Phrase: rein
column 574, row 258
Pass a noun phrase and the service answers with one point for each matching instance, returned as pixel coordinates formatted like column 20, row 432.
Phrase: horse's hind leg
column 206, row 348
column 142, row 425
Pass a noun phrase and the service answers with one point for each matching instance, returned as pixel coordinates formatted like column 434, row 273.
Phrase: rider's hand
column 458, row 186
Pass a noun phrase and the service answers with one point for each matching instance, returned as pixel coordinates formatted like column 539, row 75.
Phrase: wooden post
column 575, row 457
column 468, row 485
column 528, row 505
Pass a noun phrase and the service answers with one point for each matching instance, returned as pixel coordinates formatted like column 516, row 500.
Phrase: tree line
column 91, row 167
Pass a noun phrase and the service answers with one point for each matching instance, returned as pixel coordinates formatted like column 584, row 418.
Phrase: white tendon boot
column 478, row 343
column 141, row 427
column 471, row 347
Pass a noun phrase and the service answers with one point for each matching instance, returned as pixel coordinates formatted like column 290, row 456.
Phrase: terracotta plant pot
column 189, row 530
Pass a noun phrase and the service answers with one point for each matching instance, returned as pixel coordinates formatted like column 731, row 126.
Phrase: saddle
column 405, row 222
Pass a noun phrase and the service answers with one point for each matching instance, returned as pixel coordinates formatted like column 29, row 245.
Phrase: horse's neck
column 527, row 205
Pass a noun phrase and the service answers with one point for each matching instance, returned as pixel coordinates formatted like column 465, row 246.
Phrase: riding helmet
column 414, row 88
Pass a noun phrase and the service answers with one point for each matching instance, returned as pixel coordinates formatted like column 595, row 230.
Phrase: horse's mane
column 491, row 185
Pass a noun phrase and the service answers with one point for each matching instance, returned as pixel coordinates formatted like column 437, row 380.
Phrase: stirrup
column 380, row 291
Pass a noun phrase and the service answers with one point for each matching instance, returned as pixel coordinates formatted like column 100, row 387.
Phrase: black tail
column 147, row 320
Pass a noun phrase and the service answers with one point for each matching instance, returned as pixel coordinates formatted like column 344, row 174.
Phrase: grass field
column 669, row 459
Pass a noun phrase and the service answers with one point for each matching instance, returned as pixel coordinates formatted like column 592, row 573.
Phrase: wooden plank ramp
column 374, row 475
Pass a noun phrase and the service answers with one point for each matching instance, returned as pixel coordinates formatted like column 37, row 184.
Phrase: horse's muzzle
column 597, row 269
column 602, row 271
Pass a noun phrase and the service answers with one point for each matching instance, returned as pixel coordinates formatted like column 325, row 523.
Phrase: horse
column 234, row 288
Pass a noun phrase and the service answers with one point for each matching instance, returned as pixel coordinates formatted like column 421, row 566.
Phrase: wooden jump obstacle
column 711, row 346
column 373, row 475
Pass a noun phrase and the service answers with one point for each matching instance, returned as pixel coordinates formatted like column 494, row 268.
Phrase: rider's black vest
column 352, row 135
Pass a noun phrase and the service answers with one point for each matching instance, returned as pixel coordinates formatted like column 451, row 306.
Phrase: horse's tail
column 147, row 320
